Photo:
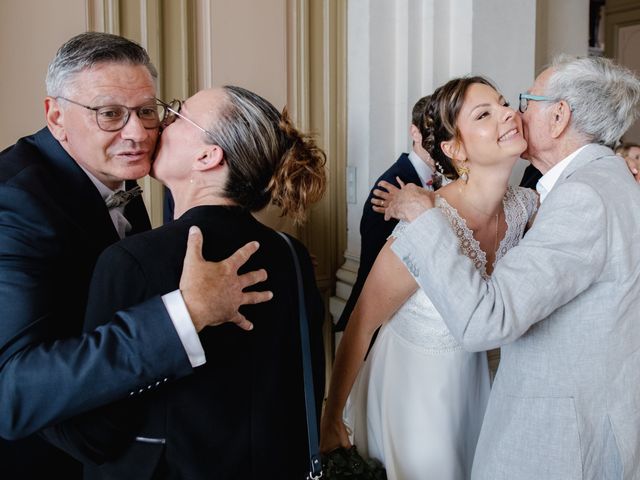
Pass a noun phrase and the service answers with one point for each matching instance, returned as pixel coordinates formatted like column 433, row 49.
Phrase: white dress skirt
column 419, row 400
column 418, row 407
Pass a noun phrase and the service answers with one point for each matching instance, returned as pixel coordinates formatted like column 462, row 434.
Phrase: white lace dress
column 419, row 399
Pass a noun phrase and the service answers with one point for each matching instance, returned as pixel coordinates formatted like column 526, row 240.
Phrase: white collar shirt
column 549, row 179
column 120, row 223
column 425, row 173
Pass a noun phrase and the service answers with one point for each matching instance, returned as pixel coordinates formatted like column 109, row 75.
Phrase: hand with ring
column 404, row 203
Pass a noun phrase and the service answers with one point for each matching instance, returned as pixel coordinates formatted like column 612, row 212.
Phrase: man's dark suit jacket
column 53, row 226
column 374, row 231
column 242, row 414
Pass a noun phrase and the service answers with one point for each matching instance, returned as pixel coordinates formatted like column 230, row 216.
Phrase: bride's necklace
column 495, row 243
column 488, row 215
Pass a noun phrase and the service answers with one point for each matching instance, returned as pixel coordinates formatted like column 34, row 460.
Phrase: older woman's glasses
column 112, row 118
column 172, row 111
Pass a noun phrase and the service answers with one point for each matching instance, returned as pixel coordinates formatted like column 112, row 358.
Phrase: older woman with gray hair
column 224, row 153
column 563, row 304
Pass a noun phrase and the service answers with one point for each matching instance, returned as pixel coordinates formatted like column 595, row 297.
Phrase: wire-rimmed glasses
column 172, row 111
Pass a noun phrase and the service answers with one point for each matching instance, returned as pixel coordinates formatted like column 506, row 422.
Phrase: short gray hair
column 88, row 49
column 602, row 95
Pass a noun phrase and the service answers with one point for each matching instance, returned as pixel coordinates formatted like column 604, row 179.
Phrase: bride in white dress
column 417, row 402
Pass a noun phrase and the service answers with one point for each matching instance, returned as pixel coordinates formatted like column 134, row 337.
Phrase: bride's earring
column 463, row 172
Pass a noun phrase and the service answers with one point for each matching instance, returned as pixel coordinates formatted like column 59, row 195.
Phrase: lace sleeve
column 529, row 199
column 399, row 230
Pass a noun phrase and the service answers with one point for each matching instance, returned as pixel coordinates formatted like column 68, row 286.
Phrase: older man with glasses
column 531, row 174
column 63, row 201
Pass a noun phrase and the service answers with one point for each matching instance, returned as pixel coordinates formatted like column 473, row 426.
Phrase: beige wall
column 249, row 46
column 622, row 30
column 561, row 27
column 30, row 33
column 244, row 43
column 627, row 54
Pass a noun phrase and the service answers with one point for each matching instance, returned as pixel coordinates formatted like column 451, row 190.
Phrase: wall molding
column 316, row 97
column 204, row 41
column 103, row 16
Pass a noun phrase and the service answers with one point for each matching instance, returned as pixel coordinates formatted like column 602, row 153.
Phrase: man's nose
column 134, row 129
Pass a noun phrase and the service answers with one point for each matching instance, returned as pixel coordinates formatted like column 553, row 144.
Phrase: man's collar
column 423, row 170
column 549, row 179
column 102, row 188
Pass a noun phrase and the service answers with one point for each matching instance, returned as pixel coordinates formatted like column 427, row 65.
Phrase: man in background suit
column 102, row 125
column 564, row 303
column 416, row 167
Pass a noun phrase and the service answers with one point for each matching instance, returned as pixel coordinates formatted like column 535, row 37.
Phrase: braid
column 433, row 133
column 427, row 128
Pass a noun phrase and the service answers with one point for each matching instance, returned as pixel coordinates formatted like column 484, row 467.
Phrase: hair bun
column 299, row 179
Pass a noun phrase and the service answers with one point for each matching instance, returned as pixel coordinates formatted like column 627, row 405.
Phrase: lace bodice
column 418, row 322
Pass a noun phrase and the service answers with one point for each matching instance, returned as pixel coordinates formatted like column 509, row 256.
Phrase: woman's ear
column 210, row 157
column 55, row 118
column 454, row 150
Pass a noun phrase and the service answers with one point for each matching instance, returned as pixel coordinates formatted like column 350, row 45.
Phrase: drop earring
column 463, row 172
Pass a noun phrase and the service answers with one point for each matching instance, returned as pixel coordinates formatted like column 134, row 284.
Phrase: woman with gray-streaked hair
column 224, row 153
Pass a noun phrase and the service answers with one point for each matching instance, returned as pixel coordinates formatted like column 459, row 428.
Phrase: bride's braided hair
column 439, row 123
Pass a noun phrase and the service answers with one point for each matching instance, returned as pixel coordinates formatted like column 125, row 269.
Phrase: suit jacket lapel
column 77, row 195
column 590, row 153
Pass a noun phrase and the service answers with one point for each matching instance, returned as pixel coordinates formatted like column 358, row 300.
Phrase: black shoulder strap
column 310, row 402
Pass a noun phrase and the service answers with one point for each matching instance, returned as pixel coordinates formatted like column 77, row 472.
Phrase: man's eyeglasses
column 172, row 111
column 112, row 118
column 525, row 97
